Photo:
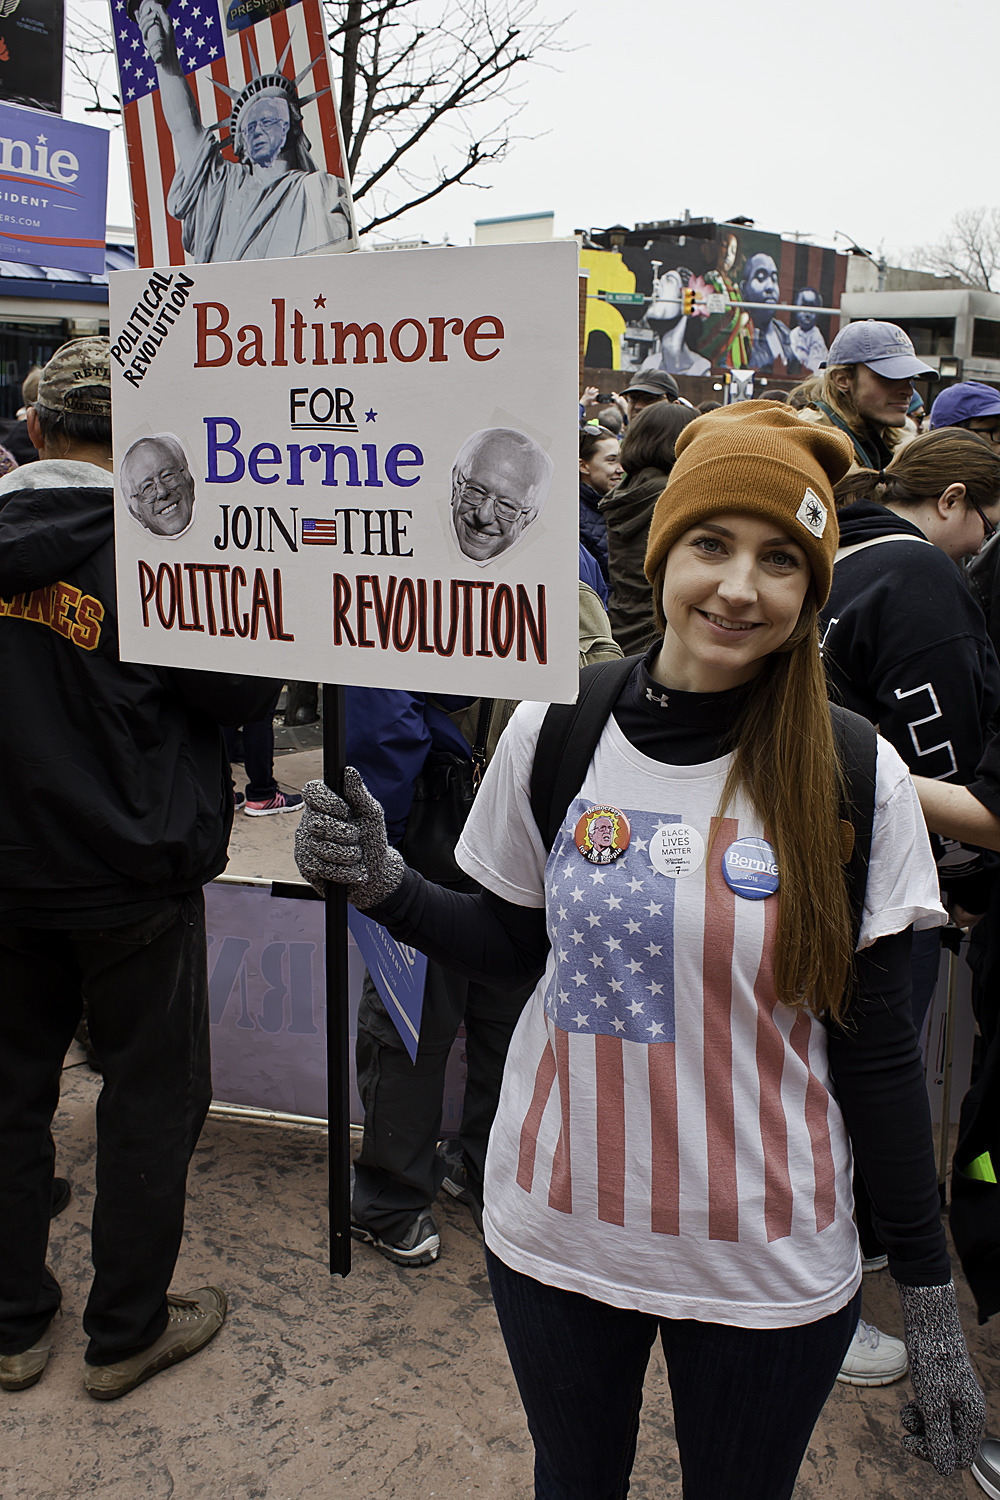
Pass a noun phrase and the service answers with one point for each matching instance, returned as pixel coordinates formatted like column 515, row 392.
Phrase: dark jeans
column 258, row 757
column 146, row 988
column 745, row 1400
column 398, row 1173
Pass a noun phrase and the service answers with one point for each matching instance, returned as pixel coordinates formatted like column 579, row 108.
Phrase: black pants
column 258, row 757
column 146, row 988
column 745, row 1399
column 397, row 1174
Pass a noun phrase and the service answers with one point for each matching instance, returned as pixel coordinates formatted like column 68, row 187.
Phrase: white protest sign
column 357, row 469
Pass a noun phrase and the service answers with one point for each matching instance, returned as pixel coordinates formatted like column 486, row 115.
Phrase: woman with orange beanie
column 722, row 1014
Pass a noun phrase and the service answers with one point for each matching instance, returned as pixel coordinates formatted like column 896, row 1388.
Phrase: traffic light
column 688, row 301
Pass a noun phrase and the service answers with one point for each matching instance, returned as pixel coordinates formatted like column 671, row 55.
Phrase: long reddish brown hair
column 785, row 762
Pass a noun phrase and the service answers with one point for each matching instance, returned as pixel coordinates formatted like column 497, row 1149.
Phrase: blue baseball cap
column 883, row 347
column 969, row 398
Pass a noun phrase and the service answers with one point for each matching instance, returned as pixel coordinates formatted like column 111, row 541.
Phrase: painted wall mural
column 687, row 322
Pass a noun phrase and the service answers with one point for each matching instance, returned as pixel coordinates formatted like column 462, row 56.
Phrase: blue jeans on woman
column 745, row 1399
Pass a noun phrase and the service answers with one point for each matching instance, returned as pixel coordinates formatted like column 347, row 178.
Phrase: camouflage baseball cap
column 77, row 378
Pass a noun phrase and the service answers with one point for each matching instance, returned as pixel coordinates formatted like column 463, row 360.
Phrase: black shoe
column 456, row 1180
column 301, row 703
column 419, row 1246
column 61, row 1194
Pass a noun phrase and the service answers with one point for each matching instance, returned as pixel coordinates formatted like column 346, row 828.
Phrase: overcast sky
column 875, row 117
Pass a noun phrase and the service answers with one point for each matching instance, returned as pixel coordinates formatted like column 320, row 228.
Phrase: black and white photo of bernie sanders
column 499, row 483
column 157, row 484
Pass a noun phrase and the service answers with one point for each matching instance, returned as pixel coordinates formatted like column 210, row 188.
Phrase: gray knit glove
column 342, row 839
column 946, row 1418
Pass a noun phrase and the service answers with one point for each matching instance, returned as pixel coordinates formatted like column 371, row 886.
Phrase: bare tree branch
column 91, row 75
column 446, row 182
column 970, row 251
column 429, row 89
column 481, row 73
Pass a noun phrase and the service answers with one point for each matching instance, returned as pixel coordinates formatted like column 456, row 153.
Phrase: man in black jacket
column 117, row 808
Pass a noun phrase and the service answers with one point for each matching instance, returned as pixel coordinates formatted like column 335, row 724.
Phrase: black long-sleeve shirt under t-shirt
column 874, row 1057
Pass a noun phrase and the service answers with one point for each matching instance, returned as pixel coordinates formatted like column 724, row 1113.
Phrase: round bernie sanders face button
column 602, row 835
column 750, row 869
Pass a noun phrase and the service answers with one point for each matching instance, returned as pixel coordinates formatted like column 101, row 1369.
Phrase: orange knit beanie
column 757, row 458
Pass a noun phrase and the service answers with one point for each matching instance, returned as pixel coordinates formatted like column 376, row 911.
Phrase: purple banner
column 53, row 191
column 267, row 1005
column 398, row 973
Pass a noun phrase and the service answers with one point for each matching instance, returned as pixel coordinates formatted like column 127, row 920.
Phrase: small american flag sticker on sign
column 318, row 532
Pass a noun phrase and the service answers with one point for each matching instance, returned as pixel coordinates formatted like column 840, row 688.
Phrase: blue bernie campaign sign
column 398, row 973
column 53, row 191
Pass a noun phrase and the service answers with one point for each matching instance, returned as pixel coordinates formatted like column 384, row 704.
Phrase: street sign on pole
column 623, row 299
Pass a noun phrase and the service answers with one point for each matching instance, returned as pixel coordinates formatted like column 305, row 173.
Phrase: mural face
column 737, row 265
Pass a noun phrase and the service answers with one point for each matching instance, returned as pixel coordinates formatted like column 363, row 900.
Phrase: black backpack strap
column 857, row 744
column 864, row 458
column 567, row 741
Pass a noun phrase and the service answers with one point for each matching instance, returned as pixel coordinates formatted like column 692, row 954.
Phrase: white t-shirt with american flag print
column 666, row 1138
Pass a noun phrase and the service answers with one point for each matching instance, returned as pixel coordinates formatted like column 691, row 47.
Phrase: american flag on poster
column 319, row 531
column 635, row 1111
column 219, row 56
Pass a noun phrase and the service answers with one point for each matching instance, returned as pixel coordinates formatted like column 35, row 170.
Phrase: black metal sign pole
column 337, row 1042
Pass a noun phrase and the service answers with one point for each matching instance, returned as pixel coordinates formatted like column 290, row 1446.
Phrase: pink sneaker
column 281, row 802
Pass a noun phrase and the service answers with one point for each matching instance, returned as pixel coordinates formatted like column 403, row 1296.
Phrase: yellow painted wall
column 608, row 273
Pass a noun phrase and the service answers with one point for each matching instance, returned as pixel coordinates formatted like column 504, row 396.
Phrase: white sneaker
column 986, row 1467
column 874, row 1358
column 874, row 1263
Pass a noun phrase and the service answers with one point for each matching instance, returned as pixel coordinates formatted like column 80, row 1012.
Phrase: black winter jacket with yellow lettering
column 116, row 788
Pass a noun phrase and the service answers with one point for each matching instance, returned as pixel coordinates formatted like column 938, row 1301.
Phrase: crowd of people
column 691, row 925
